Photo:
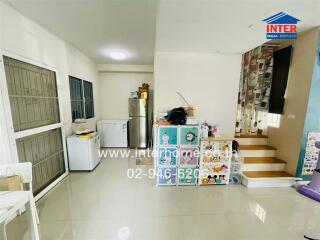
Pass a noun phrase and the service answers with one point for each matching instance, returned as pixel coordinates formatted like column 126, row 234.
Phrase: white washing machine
column 113, row 133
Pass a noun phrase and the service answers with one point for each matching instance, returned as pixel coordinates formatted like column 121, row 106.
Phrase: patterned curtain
column 254, row 91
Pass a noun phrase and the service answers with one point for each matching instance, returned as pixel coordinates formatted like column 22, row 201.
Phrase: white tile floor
column 105, row 204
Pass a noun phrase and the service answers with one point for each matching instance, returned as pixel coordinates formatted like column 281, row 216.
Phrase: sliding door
column 45, row 151
column 35, row 116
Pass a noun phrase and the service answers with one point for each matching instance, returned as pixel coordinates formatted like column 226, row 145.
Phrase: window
column 76, row 93
column 81, row 98
column 281, row 67
column 33, row 95
column 33, row 98
column 88, row 99
column 45, row 152
column 274, row 120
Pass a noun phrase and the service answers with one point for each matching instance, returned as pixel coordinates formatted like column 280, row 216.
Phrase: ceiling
column 220, row 26
column 140, row 27
column 97, row 27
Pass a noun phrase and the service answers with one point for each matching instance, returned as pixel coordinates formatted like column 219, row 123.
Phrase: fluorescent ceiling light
column 117, row 55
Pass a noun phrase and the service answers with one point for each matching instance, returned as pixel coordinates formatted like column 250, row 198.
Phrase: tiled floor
column 105, row 204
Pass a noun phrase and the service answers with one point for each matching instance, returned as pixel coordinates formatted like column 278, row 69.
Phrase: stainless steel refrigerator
column 137, row 123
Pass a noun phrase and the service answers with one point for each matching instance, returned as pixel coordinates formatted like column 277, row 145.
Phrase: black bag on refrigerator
column 177, row 116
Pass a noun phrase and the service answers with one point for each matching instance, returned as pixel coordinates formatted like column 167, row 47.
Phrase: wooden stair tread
column 263, row 160
column 267, row 174
column 256, row 147
column 250, row 136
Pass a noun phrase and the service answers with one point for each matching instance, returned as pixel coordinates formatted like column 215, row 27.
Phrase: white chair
column 3, row 234
column 24, row 170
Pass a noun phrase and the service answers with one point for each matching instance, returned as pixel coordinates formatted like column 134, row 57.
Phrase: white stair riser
column 249, row 183
column 252, row 141
column 263, row 167
column 258, row 153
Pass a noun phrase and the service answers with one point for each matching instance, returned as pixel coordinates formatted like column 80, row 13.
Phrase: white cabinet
column 113, row 133
column 83, row 152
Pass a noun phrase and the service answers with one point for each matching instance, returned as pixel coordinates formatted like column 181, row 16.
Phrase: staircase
column 261, row 168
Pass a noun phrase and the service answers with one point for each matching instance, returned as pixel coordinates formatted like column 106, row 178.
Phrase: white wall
column 115, row 88
column 287, row 137
column 21, row 36
column 210, row 82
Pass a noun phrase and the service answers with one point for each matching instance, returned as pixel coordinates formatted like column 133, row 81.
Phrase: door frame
column 13, row 136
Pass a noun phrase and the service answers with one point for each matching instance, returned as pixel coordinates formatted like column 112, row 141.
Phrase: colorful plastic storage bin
column 188, row 175
column 189, row 136
column 167, row 176
column 235, row 178
column 167, row 156
column 168, row 136
column 188, row 156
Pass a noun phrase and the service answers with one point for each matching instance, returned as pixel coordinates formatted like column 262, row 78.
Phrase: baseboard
column 50, row 186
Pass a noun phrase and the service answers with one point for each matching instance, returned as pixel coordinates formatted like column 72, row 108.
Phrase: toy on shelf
column 214, row 179
column 235, row 167
column 209, row 130
column 215, row 168
column 221, row 168
column 215, row 131
column 236, row 163
column 215, row 151
column 235, row 178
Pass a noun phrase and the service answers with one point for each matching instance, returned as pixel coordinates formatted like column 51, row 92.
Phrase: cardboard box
column 10, row 183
